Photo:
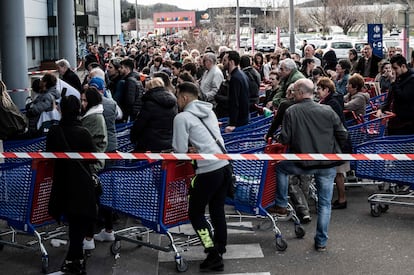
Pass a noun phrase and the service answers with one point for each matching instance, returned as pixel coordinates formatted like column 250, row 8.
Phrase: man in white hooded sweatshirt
column 196, row 125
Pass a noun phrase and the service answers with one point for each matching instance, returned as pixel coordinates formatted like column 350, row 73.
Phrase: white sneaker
column 88, row 245
column 104, row 236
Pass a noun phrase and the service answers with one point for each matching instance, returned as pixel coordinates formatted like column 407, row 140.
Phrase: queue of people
column 173, row 99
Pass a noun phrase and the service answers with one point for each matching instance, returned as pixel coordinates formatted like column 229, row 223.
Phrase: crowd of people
column 173, row 97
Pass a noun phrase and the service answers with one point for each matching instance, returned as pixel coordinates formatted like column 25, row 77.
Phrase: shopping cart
column 245, row 143
column 155, row 193
column 260, row 130
column 24, row 196
column 395, row 171
column 254, row 122
column 27, row 145
column 256, row 191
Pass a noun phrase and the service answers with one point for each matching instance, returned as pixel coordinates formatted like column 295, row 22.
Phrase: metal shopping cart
column 155, row 193
column 24, row 196
column 255, row 192
column 395, row 171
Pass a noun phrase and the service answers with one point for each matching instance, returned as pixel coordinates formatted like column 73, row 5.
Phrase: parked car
column 246, row 43
column 265, row 46
column 340, row 48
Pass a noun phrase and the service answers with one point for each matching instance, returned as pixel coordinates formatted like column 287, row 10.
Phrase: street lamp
column 250, row 22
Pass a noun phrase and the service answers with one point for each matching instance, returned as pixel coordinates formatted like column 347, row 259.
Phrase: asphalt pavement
column 358, row 244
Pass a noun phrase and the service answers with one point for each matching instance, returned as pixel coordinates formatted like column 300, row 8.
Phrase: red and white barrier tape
column 54, row 71
column 176, row 156
column 41, row 72
column 19, row 90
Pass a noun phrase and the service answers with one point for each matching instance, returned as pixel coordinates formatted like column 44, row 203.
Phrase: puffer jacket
column 153, row 127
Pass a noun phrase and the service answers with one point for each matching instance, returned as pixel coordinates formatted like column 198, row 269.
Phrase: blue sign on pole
column 375, row 38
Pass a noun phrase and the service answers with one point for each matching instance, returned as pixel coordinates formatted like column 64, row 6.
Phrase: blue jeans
column 324, row 179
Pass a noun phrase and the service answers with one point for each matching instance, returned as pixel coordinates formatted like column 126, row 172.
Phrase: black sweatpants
column 210, row 188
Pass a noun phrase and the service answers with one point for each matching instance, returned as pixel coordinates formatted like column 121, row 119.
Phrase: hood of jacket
column 98, row 109
column 160, row 96
column 200, row 109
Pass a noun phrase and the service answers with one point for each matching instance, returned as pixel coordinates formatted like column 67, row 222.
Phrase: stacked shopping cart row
column 394, row 171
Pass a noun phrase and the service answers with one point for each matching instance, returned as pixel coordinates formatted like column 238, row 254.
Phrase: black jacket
column 238, row 98
column 91, row 58
column 131, row 102
column 72, row 79
column 153, row 128
column 400, row 100
column 373, row 71
column 254, row 79
column 72, row 191
column 336, row 101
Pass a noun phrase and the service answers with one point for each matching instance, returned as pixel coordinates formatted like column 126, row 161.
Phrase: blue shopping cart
column 256, row 191
column 24, row 197
column 155, row 193
column 395, row 171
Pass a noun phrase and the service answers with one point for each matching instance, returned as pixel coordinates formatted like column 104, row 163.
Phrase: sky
column 204, row 4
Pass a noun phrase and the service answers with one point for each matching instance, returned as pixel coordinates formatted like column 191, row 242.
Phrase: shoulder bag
column 232, row 187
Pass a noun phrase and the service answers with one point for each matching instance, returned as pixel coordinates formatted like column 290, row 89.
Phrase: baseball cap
column 98, row 83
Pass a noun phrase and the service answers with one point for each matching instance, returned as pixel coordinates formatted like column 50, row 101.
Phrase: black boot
column 74, row 267
column 213, row 262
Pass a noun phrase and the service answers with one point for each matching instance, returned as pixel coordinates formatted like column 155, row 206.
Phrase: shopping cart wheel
column 299, row 231
column 45, row 263
column 281, row 244
column 375, row 210
column 383, row 208
column 181, row 265
column 115, row 247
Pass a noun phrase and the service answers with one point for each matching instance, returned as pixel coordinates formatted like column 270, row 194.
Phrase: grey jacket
column 189, row 129
column 356, row 102
column 310, row 127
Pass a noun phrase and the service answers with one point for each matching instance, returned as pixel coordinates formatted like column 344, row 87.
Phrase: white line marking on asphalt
column 234, row 251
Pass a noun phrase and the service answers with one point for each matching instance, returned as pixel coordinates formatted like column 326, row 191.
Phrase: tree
column 319, row 18
column 344, row 14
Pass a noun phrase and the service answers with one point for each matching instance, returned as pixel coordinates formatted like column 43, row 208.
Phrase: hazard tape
column 177, row 156
column 19, row 90
column 54, row 71
column 41, row 72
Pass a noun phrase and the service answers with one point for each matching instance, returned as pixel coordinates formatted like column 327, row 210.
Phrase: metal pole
column 13, row 45
column 136, row 17
column 250, row 22
column 237, row 26
column 66, row 30
column 407, row 29
column 292, row 26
